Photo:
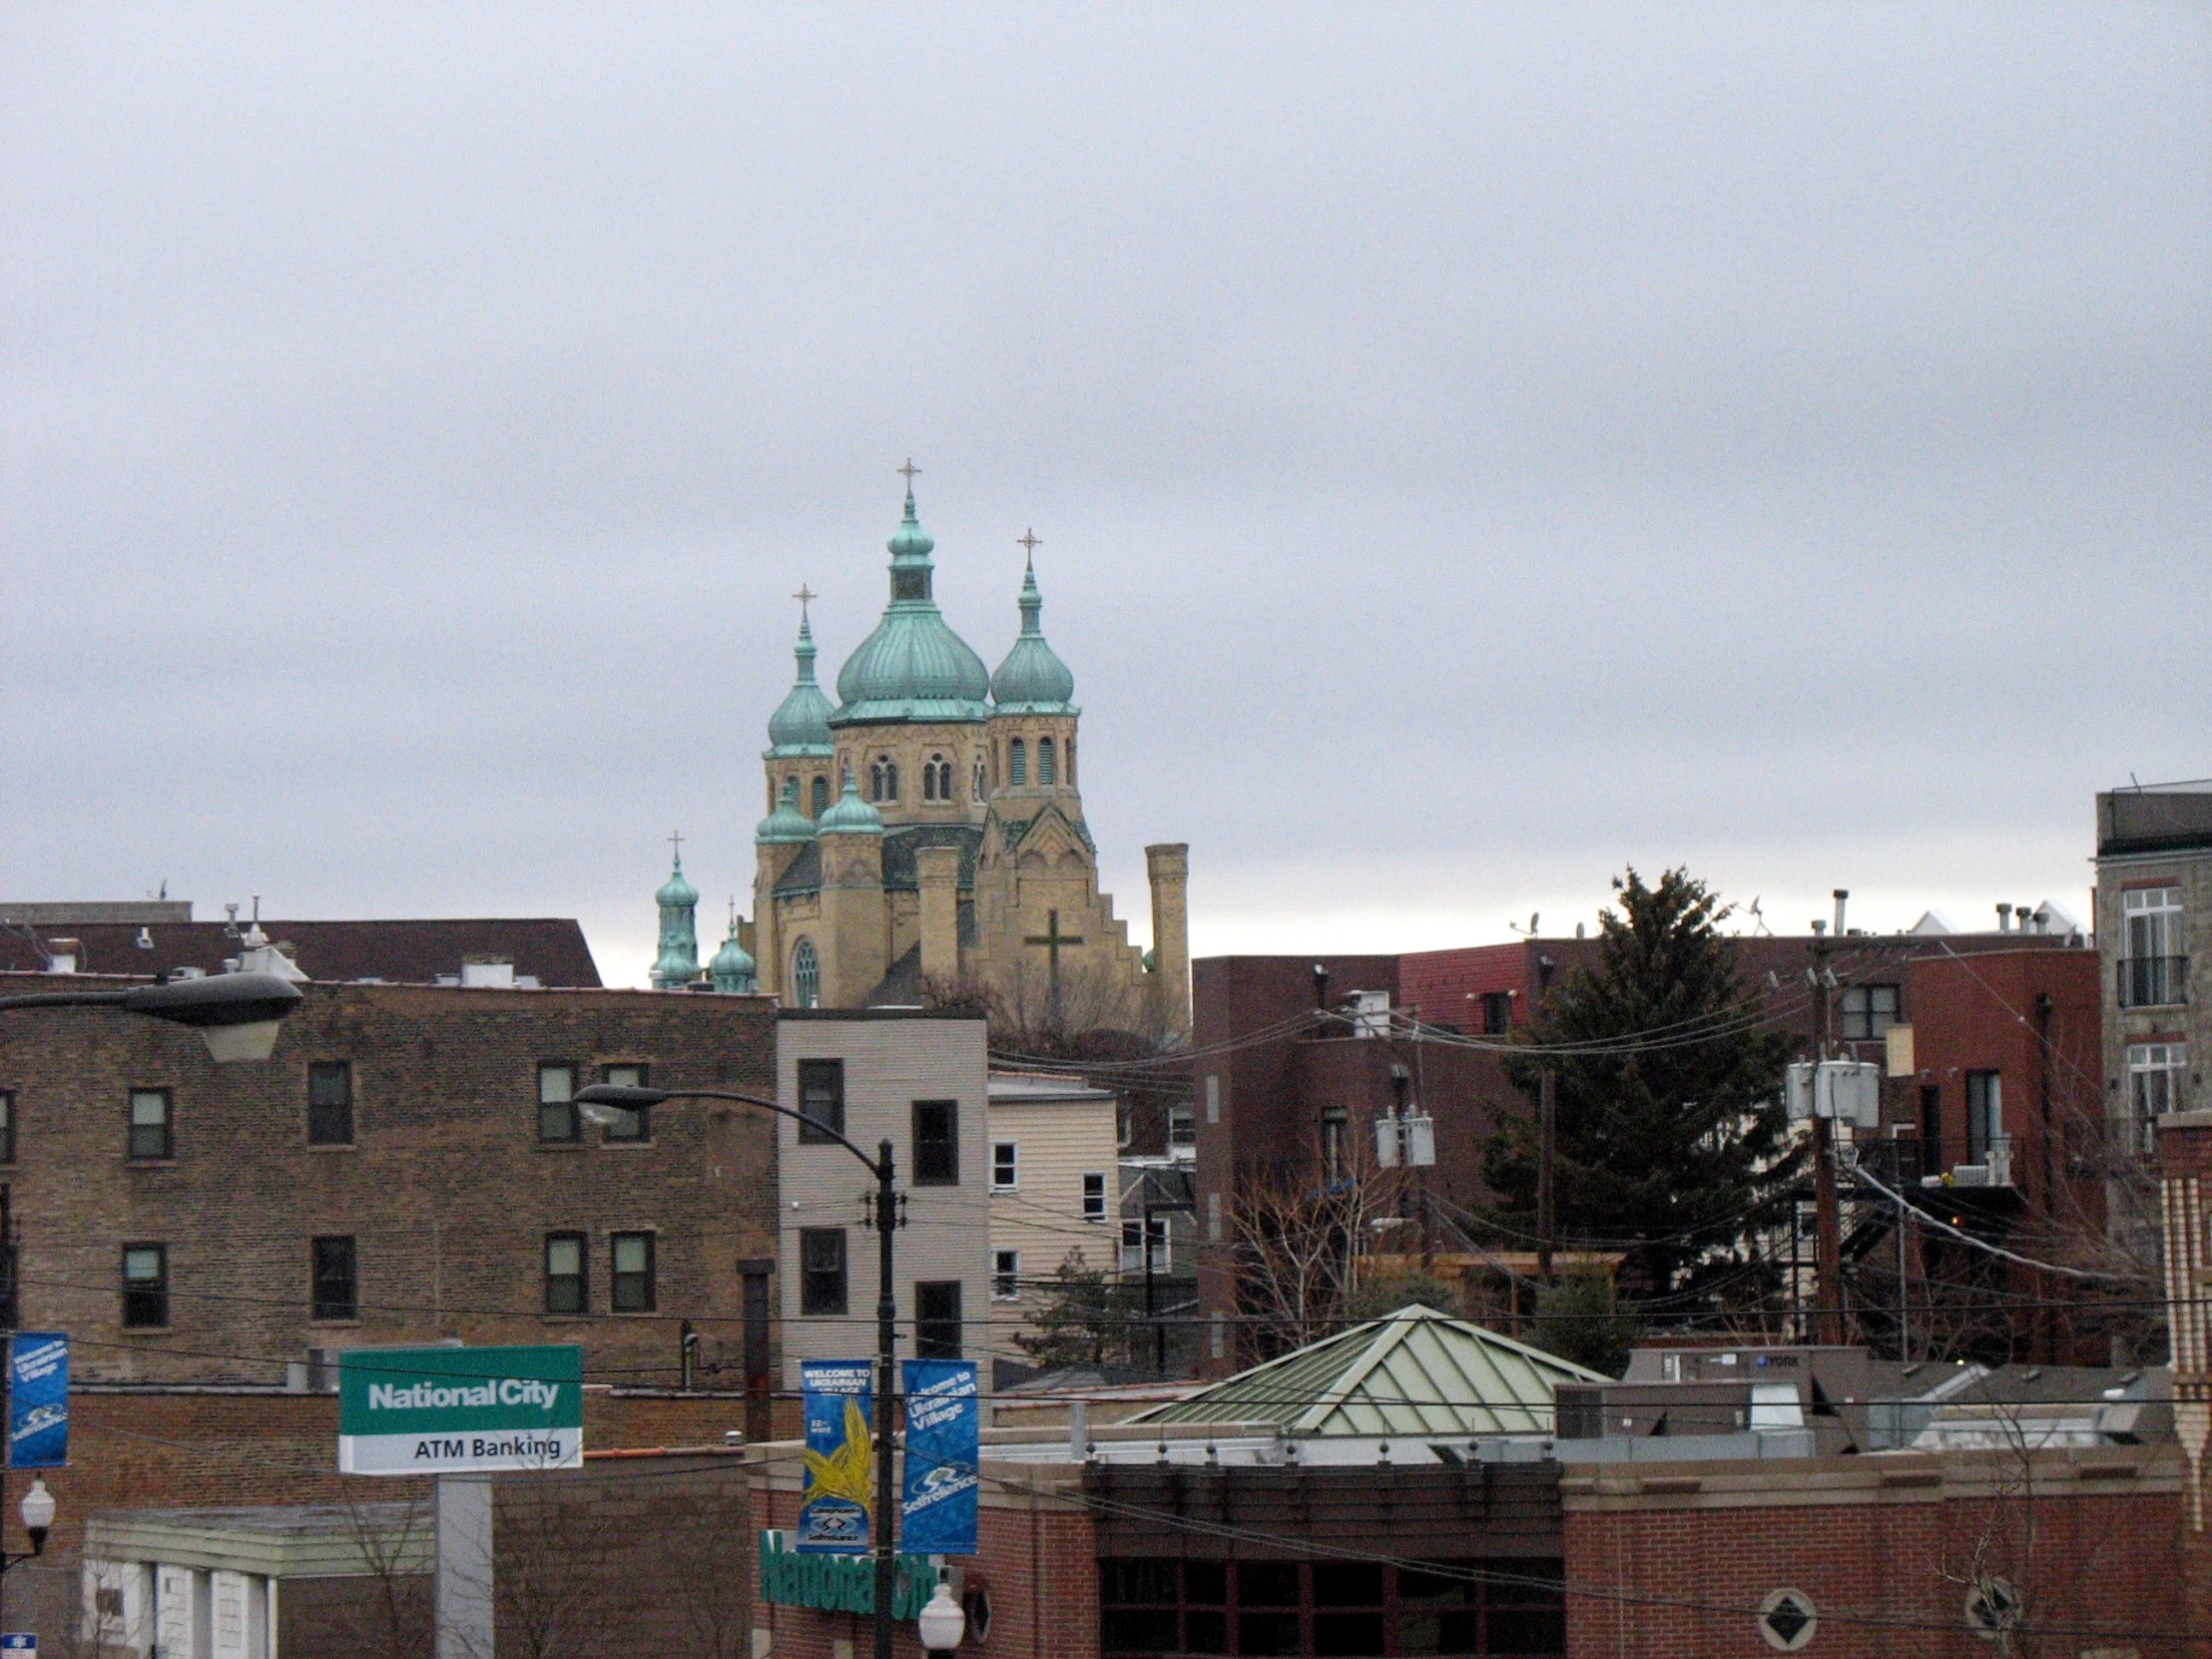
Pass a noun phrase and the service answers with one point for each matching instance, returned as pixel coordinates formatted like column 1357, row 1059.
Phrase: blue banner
column 943, row 1432
column 38, row 1400
column 840, row 1455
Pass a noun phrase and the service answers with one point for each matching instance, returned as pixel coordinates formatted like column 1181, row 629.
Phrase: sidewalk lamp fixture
column 940, row 1622
column 610, row 1104
column 38, row 1520
column 237, row 1014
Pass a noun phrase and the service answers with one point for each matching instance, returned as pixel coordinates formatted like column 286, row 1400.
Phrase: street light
column 38, row 1520
column 940, row 1621
column 603, row 1103
column 237, row 1014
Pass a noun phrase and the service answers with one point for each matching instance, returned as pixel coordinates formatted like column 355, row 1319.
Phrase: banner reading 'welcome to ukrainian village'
column 840, row 1455
column 943, row 1432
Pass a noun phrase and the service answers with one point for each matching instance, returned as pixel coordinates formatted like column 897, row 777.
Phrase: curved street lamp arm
column 617, row 1094
column 64, row 999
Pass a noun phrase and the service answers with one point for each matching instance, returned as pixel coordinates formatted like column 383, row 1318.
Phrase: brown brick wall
column 447, row 1188
column 2104, row 1571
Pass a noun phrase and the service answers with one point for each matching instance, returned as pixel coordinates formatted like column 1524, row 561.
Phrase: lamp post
column 235, row 1013
column 616, row 1097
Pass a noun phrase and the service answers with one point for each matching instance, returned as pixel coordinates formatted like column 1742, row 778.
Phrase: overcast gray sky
column 1475, row 447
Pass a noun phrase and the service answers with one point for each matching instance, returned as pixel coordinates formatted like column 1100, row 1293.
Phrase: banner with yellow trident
column 833, row 1507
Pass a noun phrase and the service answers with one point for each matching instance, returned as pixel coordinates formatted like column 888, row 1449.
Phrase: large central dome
column 914, row 666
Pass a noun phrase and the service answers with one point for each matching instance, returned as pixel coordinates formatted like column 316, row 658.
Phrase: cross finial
column 1030, row 541
column 909, row 469
column 676, row 842
column 806, row 596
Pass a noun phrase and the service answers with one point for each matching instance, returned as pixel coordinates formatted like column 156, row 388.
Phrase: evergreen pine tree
column 1671, row 1142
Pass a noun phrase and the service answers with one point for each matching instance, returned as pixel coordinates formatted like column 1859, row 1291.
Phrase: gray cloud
column 1475, row 447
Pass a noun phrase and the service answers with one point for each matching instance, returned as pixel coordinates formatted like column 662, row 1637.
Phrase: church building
column 925, row 841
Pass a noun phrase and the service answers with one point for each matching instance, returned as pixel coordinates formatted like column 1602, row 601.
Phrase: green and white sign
column 443, row 1410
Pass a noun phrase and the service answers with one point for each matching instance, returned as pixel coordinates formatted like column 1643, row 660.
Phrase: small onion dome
column 1032, row 681
column 786, row 823
column 732, row 967
column 800, row 724
column 851, row 816
column 914, row 666
column 677, row 893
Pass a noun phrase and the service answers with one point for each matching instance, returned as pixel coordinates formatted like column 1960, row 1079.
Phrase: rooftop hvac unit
column 1370, row 1014
column 1408, row 1140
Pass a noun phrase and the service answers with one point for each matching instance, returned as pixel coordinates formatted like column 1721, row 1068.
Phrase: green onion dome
column 786, row 823
column 851, row 816
column 914, row 666
column 732, row 967
column 1032, row 680
column 800, row 725
column 676, row 892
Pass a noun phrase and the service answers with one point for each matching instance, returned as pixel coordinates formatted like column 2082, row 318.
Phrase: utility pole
column 1547, row 1141
column 1828, row 1308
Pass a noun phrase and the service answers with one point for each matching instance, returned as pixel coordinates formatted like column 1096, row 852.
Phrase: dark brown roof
column 550, row 949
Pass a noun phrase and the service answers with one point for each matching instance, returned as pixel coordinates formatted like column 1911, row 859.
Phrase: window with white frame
column 2154, row 1086
column 1132, row 1246
column 1005, row 1166
column 1094, row 1196
column 2153, row 969
column 1005, row 1276
column 1868, row 1012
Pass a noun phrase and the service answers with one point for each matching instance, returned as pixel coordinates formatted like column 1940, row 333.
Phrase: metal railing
column 2153, row 981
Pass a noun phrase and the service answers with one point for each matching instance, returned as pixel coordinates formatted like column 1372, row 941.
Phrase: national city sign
column 446, row 1411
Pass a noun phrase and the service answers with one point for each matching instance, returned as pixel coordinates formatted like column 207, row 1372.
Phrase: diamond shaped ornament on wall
column 1788, row 1620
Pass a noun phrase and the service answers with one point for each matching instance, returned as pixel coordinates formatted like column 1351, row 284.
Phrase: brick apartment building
column 1284, row 1092
column 408, row 1165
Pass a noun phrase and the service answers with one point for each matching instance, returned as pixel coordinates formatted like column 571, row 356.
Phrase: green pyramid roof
column 1415, row 1372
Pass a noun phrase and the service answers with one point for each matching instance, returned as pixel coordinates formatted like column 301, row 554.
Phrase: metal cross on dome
column 909, row 469
column 806, row 595
column 676, row 842
column 1030, row 541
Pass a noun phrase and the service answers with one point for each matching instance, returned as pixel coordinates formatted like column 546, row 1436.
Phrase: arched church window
column 875, row 781
column 805, row 974
column 821, row 795
column 1018, row 761
column 1045, row 770
column 1071, row 759
column 890, row 780
column 979, row 785
column 929, row 779
column 945, row 780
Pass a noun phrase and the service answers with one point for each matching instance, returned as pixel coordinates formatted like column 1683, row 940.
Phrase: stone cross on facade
column 1052, row 939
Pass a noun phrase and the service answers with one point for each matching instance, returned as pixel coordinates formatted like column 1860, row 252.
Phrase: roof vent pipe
column 1842, row 895
column 2004, row 917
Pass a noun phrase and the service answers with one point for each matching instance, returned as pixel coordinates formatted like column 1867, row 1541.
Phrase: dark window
column 558, row 1119
column 1931, row 1128
column 1005, row 1166
column 805, row 974
column 337, row 1290
column 820, row 1101
column 937, row 1143
column 565, row 1290
column 630, row 1287
column 929, row 778
column 145, row 1286
column 631, row 1123
column 1006, row 1276
column 1332, row 1609
column 330, row 1103
column 1868, row 1012
column 152, row 1124
column 1985, row 1114
column 821, row 1270
column 820, row 795
column 1017, row 766
column 1094, row 1197
column 937, row 1319
column 7, row 1126
column 1497, row 1013
column 1046, row 770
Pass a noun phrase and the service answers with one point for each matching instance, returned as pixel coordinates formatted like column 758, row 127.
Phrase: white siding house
column 1054, row 1190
